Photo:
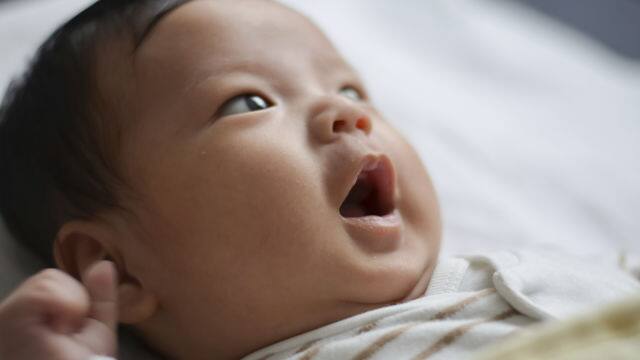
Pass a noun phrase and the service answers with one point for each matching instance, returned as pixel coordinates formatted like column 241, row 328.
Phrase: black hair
column 57, row 155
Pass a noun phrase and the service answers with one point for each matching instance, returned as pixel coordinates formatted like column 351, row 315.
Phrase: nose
column 334, row 118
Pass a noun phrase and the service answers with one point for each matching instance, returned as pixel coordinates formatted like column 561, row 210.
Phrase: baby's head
column 228, row 160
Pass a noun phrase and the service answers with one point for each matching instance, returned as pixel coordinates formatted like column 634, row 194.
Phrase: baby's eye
column 351, row 93
column 243, row 104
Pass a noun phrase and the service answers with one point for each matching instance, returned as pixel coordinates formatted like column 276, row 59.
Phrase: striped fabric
column 438, row 326
column 470, row 303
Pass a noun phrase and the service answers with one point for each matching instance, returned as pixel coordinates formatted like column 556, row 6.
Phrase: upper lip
column 380, row 173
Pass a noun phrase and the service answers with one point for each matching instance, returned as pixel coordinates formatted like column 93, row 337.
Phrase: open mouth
column 373, row 192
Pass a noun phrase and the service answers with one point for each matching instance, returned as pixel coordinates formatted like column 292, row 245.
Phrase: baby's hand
column 53, row 316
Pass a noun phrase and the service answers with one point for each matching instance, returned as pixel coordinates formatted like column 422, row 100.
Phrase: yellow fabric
column 612, row 333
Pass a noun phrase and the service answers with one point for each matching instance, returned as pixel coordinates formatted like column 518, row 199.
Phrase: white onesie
column 470, row 302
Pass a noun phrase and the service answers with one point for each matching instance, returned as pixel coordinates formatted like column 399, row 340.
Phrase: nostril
column 339, row 125
column 363, row 124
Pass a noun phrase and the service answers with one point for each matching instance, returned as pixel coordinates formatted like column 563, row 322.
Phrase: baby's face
column 249, row 132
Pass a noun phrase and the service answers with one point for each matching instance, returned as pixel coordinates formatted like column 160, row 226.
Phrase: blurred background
column 526, row 112
column 616, row 23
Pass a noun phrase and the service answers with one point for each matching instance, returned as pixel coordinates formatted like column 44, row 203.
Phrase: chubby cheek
column 242, row 211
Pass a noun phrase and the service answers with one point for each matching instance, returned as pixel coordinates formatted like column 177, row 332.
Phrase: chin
column 390, row 278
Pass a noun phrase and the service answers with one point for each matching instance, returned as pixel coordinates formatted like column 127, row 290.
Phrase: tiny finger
column 100, row 281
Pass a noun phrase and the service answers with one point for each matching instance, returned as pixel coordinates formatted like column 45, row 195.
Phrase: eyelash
column 351, row 92
column 227, row 108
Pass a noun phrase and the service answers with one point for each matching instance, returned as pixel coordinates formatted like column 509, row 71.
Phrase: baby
column 213, row 174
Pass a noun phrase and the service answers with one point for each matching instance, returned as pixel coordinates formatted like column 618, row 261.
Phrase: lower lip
column 376, row 233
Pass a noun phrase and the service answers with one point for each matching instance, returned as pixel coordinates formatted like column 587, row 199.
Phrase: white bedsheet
column 531, row 131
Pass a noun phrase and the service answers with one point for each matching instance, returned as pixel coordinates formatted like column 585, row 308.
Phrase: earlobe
column 135, row 304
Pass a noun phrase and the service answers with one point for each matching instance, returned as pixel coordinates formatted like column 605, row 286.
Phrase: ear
column 80, row 244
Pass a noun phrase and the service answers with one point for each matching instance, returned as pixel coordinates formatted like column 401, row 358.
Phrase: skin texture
column 234, row 239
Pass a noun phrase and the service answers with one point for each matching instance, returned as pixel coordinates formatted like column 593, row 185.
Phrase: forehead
column 231, row 32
